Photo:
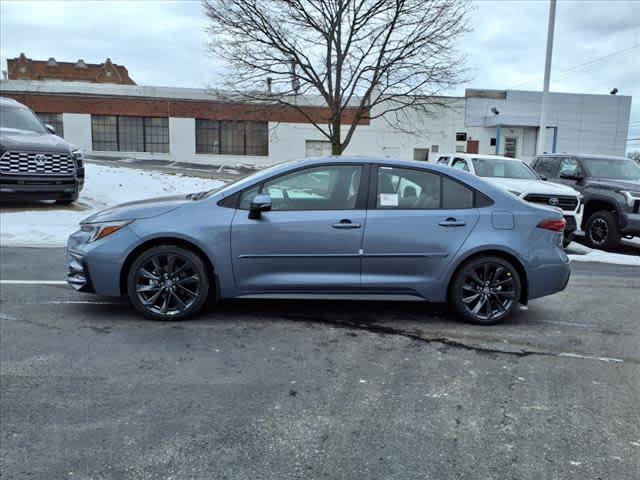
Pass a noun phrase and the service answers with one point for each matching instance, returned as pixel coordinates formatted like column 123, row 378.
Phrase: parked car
column 517, row 177
column 338, row 226
column 611, row 190
column 35, row 164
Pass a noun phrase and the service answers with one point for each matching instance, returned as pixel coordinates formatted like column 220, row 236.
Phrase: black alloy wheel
column 486, row 290
column 168, row 283
column 602, row 231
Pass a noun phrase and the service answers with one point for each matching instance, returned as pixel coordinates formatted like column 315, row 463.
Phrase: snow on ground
column 48, row 225
column 581, row 253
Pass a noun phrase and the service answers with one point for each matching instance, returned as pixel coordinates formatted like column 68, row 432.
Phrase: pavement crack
column 449, row 342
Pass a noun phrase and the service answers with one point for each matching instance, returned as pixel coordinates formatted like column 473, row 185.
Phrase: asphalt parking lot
column 317, row 390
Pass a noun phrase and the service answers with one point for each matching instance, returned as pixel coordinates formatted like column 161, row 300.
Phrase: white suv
column 517, row 177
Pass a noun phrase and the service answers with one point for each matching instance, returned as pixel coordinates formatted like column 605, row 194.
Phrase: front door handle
column 452, row 222
column 346, row 223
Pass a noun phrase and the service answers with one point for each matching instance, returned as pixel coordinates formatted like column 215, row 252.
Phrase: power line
column 563, row 73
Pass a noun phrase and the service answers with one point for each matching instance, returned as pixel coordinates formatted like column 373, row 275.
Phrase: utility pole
column 547, row 74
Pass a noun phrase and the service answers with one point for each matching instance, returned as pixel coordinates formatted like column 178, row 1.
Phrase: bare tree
column 362, row 59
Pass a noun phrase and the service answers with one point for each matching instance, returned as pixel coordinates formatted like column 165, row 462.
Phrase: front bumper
column 631, row 224
column 95, row 267
column 14, row 188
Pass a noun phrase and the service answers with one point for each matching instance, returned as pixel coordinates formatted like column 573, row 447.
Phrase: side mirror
column 259, row 204
column 50, row 127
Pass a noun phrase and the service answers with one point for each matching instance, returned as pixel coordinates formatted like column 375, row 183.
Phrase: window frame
column 361, row 199
column 146, row 136
column 372, row 201
column 240, row 128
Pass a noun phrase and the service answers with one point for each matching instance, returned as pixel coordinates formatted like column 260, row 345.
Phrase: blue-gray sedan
column 332, row 226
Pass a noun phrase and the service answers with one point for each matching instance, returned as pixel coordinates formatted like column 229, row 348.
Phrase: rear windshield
column 20, row 118
column 498, row 168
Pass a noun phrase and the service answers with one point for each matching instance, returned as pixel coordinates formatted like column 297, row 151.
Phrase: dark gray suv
column 611, row 190
column 35, row 164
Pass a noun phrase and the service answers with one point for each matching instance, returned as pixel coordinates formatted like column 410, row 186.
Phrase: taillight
column 554, row 225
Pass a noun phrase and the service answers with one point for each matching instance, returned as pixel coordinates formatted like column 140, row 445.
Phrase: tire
column 168, row 283
column 602, row 230
column 470, row 293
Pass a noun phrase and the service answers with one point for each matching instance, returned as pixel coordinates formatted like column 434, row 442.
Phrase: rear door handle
column 452, row 222
column 346, row 223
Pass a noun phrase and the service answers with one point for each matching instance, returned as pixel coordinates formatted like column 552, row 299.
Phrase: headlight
column 78, row 157
column 515, row 192
column 102, row 230
column 630, row 196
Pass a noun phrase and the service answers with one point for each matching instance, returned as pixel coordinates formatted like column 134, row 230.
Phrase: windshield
column 618, row 169
column 246, row 179
column 498, row 168
column 20, row 118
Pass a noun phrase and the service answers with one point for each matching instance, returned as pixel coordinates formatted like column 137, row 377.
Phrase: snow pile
column 581, row 253
column 48, row 225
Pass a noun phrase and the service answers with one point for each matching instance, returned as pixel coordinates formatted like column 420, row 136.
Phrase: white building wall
column 77, row 130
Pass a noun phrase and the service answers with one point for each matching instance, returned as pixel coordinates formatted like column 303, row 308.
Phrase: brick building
column 24, row 68
column 201, row 126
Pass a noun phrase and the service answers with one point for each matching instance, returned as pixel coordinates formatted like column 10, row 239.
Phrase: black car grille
column 564, row 202
column 36, row 163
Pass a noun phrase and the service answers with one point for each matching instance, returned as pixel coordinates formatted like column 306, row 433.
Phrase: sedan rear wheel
column 486, row 290
column 168, row 283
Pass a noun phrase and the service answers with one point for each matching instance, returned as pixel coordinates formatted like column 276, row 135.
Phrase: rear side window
column 547, row 166
column 455, row 195
column 409, row 189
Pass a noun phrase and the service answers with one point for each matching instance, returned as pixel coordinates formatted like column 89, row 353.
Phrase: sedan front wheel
column 168, row 283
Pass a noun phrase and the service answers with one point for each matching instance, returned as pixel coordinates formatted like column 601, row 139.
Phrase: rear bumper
column 549, row 278
column 13, row 188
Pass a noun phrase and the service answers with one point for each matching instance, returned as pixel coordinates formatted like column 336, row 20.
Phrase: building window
column 156, row 134
column 104, row 133
column 435, row 148
column 232, row 137
column 492, row 142
column 112, row 133
column 461, row 136
column 207, row 136
column 53, row 119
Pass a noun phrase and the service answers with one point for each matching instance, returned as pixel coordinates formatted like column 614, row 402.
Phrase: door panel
column 311, row 239
column 409, row 249
column 297, row 250
column 417, row 222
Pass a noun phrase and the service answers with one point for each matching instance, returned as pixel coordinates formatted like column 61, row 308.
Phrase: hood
column 533, row 186
column 25, row 140
column 137, row 210
column 614, row 184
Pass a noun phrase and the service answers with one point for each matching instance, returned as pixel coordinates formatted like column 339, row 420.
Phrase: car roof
column 468, row 156
column 10, row 102
column 584, row 155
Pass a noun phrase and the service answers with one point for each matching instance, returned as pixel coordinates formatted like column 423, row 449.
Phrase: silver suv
column 35, row 164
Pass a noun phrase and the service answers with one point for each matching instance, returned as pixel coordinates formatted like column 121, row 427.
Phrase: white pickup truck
column 517, row 177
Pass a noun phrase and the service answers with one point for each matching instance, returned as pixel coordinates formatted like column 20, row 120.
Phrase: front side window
column 498, row 168
column 569, row 166
column 334, row 187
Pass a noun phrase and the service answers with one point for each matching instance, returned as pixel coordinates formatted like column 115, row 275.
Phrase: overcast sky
column 163, row 43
